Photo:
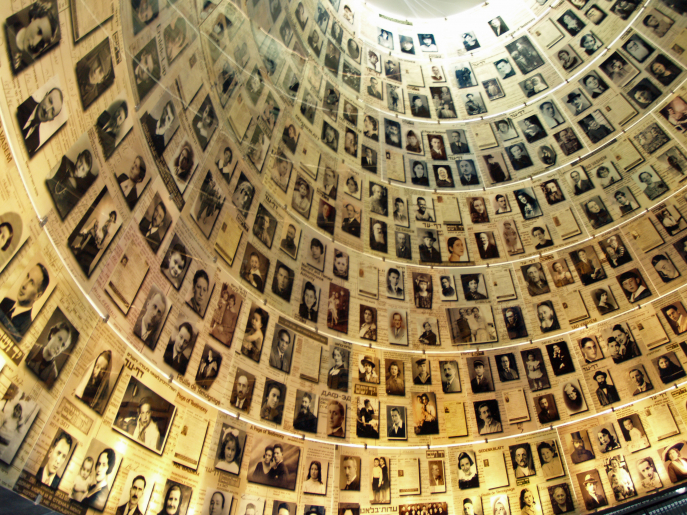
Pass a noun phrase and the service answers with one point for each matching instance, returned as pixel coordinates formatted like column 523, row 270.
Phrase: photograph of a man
column 144, row 416
column 274, row 463
column 155, row 222
column 150, row 319
column 55, row 462
column 41, row 115
column 135, row 502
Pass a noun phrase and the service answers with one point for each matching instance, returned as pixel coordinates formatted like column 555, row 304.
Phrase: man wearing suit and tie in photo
column 487, row 250
column 242, row 394
column 280, row 357
column 59, row 451
column 131, row 182
column 32, row 114
column 449, row 380
column 152, row 229
column 148, row 323
column 397, row 428
column 593, row 498
column 18, row 312
column 130, row 507
column 480, row 383
column 337, row 420
column 350, row 475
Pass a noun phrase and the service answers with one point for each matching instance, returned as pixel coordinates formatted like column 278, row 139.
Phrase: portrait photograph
column 301, row 200
column 176, row 262
column 488, row 417
column 273, row 400
column 633, row 432
column 16, row 418
column 618, row 69
column 248, row 504
column 205, row 123
column 243, row 195
column 573, row 397
column 561, row 498
column 259, row 147
column 96, row 476
column 644, row 93
column 663, row 70
column 396, row 422
column 507, row 367
column 95, row 231
column 99, row 379
column 479, row 371
column 144, row 417
column 425, row 414
column 184, row 165
column 290, row 238
column 596, row 212
column 155, row 223
column 242, row 390
column 580, row 442
column 448, row 288
column 652, row 138
column 472, row 325
column 217, row 503
column 515, row 322
column 650, row 183
column 423, row 290
column 524, row 54
column 42, row 114
column 604, row 300
column 23, row 300
column 421, row 371
column 465, row 77
column 182, row 341
column 535, row 279
column 505, row 129
column 125, row 281
column 151, row 318
column 633, row 285
column 136, row 493
column 533, row 85
column 208, row 370
column 669, row 367
column 367, row 418
column 493, row 89
column 176, row 496
column 398, row 327
column 94, row 72
column 547, row 411
column 560, row 358
column 537, row 375
column 474, row 287
column 254, row 268
column 160, row 124
column 437, row 476
column 225, row 315
column 55, row 462
column 473, row 103
column 522, row 460
column 230, row 446
column 113, row 125
column 671, row 219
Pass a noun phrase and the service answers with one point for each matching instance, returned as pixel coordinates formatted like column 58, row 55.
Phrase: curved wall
column 464, row 254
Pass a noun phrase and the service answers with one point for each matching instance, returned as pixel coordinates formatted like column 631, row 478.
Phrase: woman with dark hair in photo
column 309, row 307
column 255, row 334
column 590, row 43
column 607, row 442
column 42, row 358
column 528, row 504
column 337, row 378
column 419, row 175
column 528, row 205
column 413, row 144
column 368, row 329
column 603, row 301
column 94, row 388
column 676, row 465
column 598, row 216
column 183, row 163
column 224, row 325
column 207, row 370
column 175, row 353
column 467, row 472
column 99, row 491
column 423, row 294
column 230, row 452
column 313, row 483
column 669, row 371
column 371, row 127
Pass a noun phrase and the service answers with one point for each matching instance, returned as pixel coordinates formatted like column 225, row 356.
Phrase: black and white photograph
column 42, row 114
column 524, row 55
column 155, row 223
column 273, row 400
column 425, row 414
column 596, row 212
column 381, row 480
column 515, row 322
column 465, row 77
column 398, row 327
column 589, row 268
column 98, row 382
column 265, row 226
column 493, row 89
column 596, row 126
column 136, row 493
column 522, row 460
column 306, row 413
column 17, row 415
column 576, row 102
column 421, row 371
column 281, row 170
column 160, row 124
column 95, row 231
column 407, row 44
column 437, row 476
column 146, row 68
column 537, row 375
column 573, row 397
column 507, row 367
column 208, row 370
column 184, row 165
column 547, row 411
column 470, row 41
column 113, row 125
column 56, row 459
column 32, row 32
column 571, row 23
column 316, row 483
column 486, row 245
column 651, row 138
column 243, row 195
column 671, row 219
column 96, row 476
column 618, row 69
column 350, row 479
column 144, row 416
column 225, row 315
column 488, row 417
column 94, row 73
column 282, row 282
column 181, row 343
column 254, row 268
column 633, row 285
column 568, row 58
column 505, row 129
column 283, row 345
column 533, row 85
column 242, row 390
column 650, row 183
column 644, row 93
column 254, row 336
column 560, row 358
column 535, row 278
column 367, row 418
column 665, row 267
column 396, row 422
column 479, row 371
column 668, row 366
column 519, row 156
column 22, row 302
column 176, row 498
column 676, row 316
column 663, row 70
column 473, row 103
